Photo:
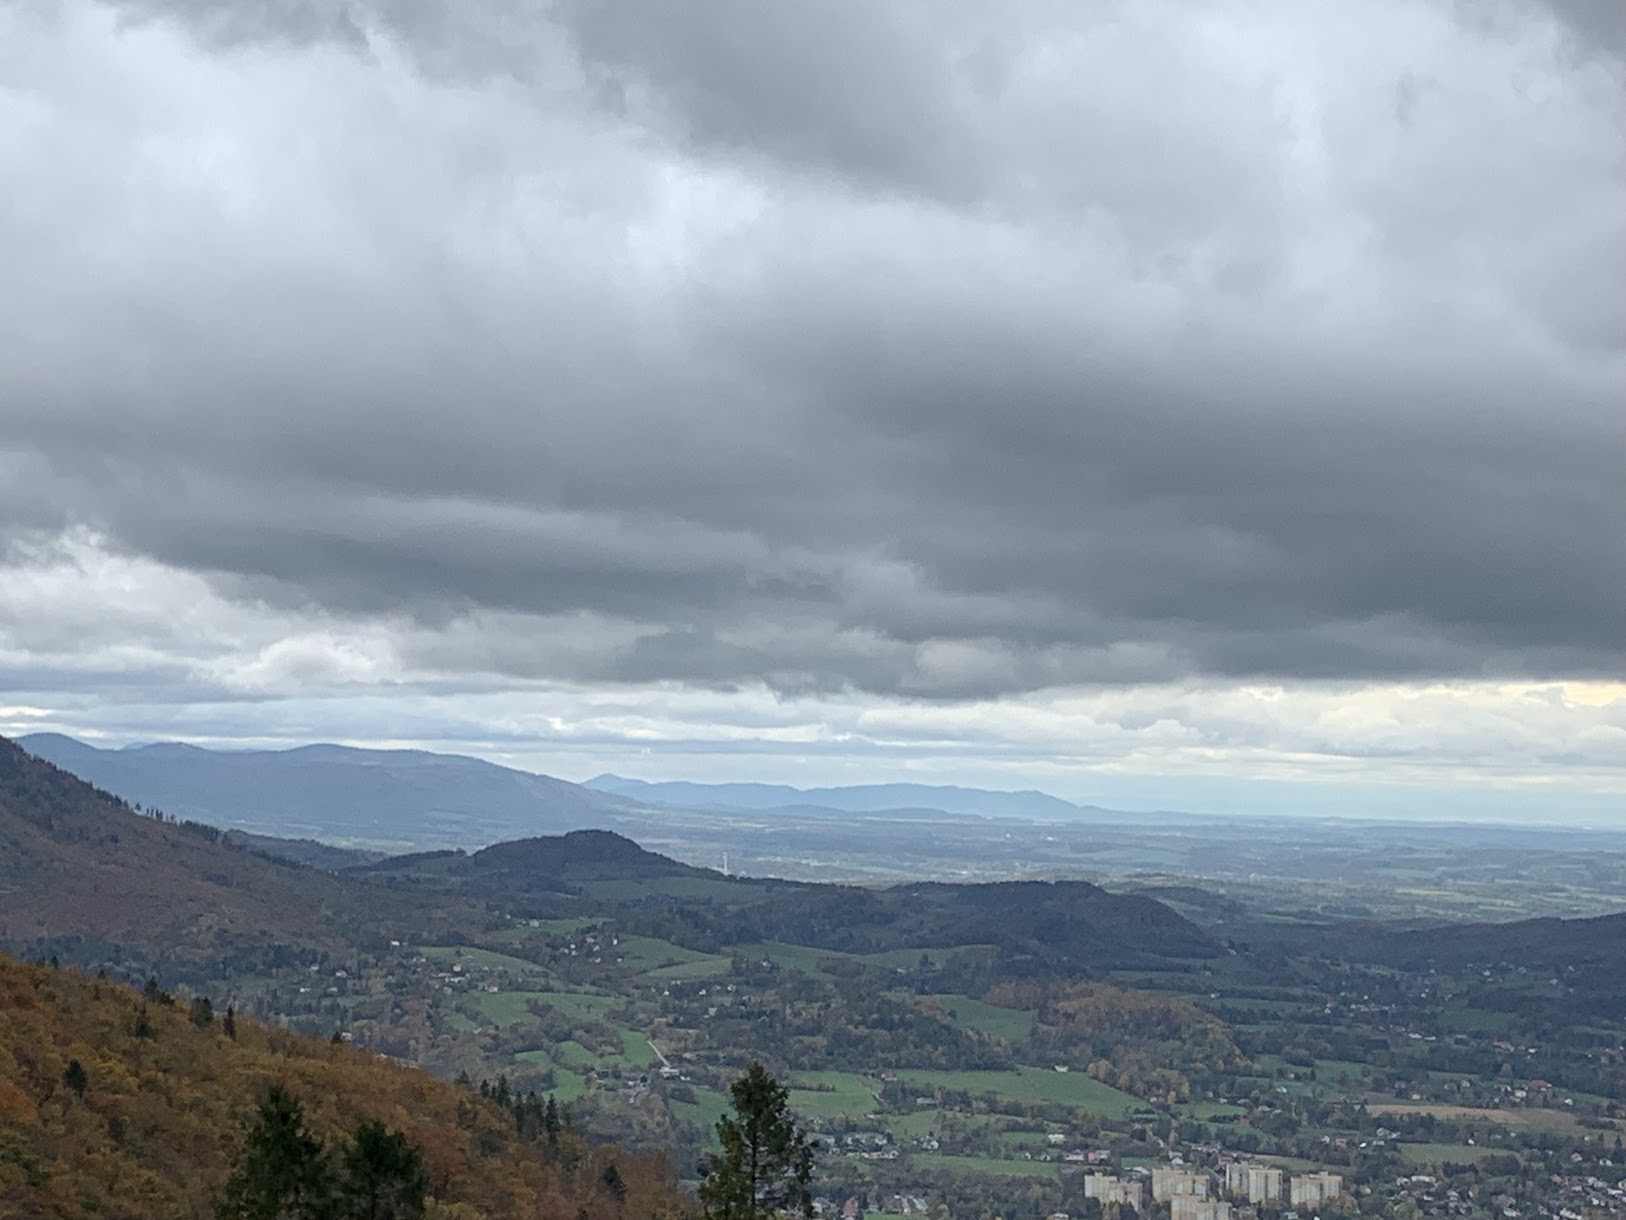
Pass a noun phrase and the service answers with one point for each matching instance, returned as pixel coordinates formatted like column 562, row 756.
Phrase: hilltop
column 552, row 874
column 1036, row 925
column 157, row 1122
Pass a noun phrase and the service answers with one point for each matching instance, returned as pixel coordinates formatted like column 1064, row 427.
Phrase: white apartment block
column 1255, row 1183
column 1170, row 1184
column 1315, row 1188
column 1113, row 1190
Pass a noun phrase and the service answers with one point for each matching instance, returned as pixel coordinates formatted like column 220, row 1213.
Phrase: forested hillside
column 83, row 873
column 119, row 1103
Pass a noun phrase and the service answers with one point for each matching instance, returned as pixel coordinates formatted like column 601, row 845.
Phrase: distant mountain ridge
column 399, row 798
column 413, row 800
column 855, row 798
column 78, row 865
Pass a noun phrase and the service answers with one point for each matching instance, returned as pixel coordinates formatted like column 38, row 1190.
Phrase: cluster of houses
column 869, row 1146
column 852, row 1209
column 1195, row 1194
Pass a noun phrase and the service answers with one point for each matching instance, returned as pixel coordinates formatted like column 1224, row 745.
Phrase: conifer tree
column 551, row 1122
column 75, row 1077
column 612, row 1182
column 766, row 1163
column 384, row 1176
column 284, row 1172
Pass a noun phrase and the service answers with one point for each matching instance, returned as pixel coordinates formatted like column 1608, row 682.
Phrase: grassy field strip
column 831, row 1094
column 1549, row 1120
column 913, row 1126
column 508, row 1007
column 635, row 1049
column 787, row 957
column 984, row 1164
column 1212, row 1109
column 578, row 1005
column 648, row 953
column 705, row 968
column 575, row 1054
column 568, row 1086
column 1434, row 1154
column 488, row 959
column 505, row 1008
column 705, row 1111
column 1033, row 1084
column 1011, row 1024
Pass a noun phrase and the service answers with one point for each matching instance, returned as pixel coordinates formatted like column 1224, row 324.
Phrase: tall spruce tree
column 284, row 1173
column 766, row 1164
column 75, row 1077
column 384, row 1176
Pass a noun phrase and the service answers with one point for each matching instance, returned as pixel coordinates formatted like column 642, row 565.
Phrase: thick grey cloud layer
column 930, row 351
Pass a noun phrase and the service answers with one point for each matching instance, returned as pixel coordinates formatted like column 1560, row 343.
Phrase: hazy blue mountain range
column 334, row 793
column 859, row 798
column 80, row 872
column 406, row 800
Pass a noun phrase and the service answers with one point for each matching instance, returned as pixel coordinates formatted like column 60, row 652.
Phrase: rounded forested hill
column 580, row 855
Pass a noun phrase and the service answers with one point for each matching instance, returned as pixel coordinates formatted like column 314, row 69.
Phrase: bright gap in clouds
column 177, row 661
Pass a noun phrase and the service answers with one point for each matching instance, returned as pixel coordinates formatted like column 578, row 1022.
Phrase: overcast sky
column 1209, row 405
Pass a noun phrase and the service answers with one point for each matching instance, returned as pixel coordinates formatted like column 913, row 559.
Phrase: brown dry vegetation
column 160, row 1119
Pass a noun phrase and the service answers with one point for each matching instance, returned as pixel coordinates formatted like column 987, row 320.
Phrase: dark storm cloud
column 916, row 353
column 867, row 93
column 1597, row 25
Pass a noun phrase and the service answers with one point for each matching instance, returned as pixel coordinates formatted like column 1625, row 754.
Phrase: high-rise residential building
column 1109, row 1189
column 1178, row 1183
column 1315, row 1188
column 1255, row 1183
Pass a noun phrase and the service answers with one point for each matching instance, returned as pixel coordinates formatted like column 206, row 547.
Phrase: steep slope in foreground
column 158, row 1119
column 387, row 797
column 78, row 866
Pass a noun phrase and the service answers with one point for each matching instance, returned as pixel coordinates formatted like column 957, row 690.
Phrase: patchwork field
column 1033, row 1084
